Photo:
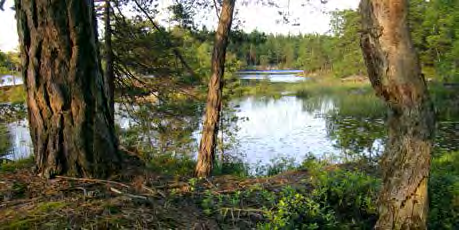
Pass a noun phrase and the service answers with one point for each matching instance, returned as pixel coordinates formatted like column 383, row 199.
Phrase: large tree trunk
column 395, row 74
column 206, row 154
column 69, row 116
column 109, row 74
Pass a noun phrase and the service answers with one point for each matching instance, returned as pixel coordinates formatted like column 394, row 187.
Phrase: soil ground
column 137, row 199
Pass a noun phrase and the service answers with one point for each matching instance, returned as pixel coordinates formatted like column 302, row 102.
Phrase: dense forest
column 135, row 124
column 433, row 28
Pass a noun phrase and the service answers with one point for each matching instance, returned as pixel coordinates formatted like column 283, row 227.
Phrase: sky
column 312, row 17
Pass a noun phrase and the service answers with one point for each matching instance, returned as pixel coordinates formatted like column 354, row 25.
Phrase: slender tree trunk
column 69, row 117
column 109, row 74
column 395, row 74
column 206, row 154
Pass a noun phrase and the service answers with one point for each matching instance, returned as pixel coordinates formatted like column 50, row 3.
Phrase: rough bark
column 69, row 117
column 109, row 73
column 395, row 74
column 206, row 153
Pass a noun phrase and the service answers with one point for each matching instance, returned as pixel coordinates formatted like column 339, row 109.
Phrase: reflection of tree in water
column 170, row 127
column 9, row 113
column 446, row 102
column 5, row 141
column 357, row 137
column 447, row 136
column 228, row 145
column 317, row 105
column 161, row 128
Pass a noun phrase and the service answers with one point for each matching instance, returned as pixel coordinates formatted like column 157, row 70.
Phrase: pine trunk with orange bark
column 206, row 153
column 395, row 74
column 69, row 117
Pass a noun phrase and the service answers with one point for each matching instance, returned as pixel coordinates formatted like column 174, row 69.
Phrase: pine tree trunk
column 206, row 153
column 69, row 117
column 395, row 74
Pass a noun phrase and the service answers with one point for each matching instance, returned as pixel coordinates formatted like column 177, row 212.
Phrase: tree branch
column 174, row 50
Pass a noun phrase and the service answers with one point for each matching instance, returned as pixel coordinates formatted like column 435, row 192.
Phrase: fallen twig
column 208, row 181
column 127, row 194
column 17, row 202
column 94, row 180
column 175, row 185
column 154, row 191
column 85, row 193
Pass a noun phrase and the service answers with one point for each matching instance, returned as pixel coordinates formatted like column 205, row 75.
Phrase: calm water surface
column 282, row 128
column 286, row 127
column 269, row 129
column 274, row 78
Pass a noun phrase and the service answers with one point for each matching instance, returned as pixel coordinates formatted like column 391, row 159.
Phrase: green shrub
column 172, row 165
column 235, row 168
column 339, row 199
column 12, row 166
column 298, row 211
column 444, row 192
column 278, row 165
column 352, row 195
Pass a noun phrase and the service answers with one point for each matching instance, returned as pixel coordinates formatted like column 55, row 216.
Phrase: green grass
column 12, row 166
column 171, row 165
column 350, row 98
column 444, row 191
column 13, row 95
column 361, row 105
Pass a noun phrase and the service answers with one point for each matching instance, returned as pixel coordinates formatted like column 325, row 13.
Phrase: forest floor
column 138, row 199
column 312, row 196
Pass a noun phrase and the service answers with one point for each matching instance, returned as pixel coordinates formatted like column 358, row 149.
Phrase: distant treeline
column 434, row 25
column 435, row 30
column 9, row 63
column 338, row 51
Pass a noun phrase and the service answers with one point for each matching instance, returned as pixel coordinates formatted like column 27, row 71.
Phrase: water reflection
column 357, row 137
column 447, row 135
column 20, row 140
column 10, row 80
column 15, row 142
column 274, row 78
column 281, row 128
column 158, row 128
column 289, row 127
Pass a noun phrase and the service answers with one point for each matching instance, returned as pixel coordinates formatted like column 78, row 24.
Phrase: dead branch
column 94, row 180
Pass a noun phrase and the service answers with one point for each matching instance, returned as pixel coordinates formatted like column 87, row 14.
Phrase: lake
column 273, row 75
column 271, row 128
column 9, row 80
column 267, row 129
column 274, row 78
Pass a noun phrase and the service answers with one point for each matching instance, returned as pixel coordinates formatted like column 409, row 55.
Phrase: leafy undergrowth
column 316, row 195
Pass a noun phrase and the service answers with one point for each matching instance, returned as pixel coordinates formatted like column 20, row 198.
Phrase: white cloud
column 305, row 16
column 9, row 36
